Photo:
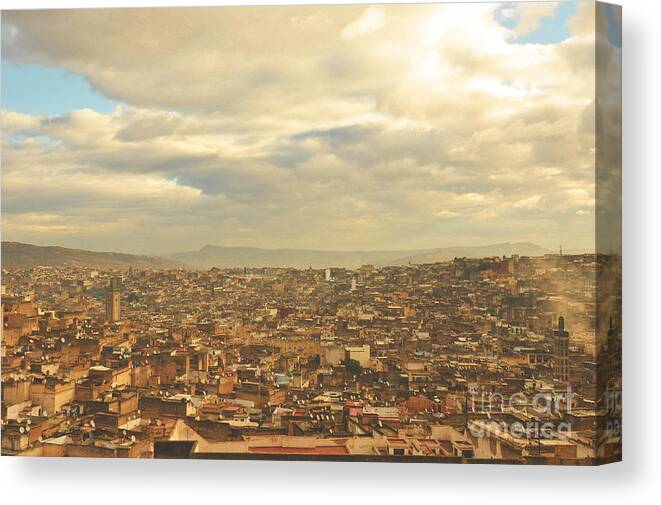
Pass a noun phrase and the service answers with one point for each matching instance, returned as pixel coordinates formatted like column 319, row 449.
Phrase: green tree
column 353, row 366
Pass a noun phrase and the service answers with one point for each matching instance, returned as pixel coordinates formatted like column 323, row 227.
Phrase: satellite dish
column 133, row 438
column 21, row 429
column 92, row 423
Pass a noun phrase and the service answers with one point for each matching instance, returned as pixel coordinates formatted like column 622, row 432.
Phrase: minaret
column 561, row 352
column 113, row 293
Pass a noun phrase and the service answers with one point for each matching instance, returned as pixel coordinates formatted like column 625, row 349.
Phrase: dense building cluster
column 471, row 360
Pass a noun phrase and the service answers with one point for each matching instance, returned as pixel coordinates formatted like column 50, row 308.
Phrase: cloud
column 328, row 127
column 370, row 21
column 531, row 14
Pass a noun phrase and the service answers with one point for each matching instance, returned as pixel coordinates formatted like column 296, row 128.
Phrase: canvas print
column 349, row 232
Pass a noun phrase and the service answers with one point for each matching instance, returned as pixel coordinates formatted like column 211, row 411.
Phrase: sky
column 320, row 127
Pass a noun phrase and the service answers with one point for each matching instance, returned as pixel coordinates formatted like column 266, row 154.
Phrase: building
column 561, row 352
column 113, row 293
column 360, row 353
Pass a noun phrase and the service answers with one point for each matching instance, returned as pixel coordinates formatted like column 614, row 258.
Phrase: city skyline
column 322, row 127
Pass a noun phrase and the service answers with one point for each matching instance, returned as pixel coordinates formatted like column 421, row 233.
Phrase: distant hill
column 449, row 253
column 236, row 257
column 18, row 255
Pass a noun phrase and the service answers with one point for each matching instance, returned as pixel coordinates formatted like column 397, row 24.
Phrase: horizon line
column 568, row 250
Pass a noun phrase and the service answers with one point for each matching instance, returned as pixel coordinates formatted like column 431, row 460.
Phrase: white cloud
column 370, row 21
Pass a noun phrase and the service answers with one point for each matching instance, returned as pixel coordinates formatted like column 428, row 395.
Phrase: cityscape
column 470, row 360
column 387, row 233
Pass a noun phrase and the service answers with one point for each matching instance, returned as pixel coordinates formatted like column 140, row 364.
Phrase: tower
column 561, row 352
column 112, row 300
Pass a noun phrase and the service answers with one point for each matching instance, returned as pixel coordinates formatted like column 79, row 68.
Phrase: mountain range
column 17, row 255
column 235, row 257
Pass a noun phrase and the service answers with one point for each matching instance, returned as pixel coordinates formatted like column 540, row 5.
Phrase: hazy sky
column 326, row 127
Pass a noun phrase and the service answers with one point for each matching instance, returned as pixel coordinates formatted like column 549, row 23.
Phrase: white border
column 636, row 480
